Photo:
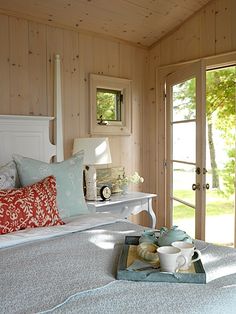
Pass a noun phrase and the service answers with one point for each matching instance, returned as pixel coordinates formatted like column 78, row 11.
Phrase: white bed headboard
column 27, row 136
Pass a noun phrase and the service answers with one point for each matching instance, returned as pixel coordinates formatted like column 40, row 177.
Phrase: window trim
column 122, row 127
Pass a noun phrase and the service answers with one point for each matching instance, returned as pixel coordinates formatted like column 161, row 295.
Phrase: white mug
column 187, row 250
column 170, row 258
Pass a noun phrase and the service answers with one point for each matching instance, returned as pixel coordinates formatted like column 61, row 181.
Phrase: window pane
column 183, row 178
column 220, row 155
column 184, row 100
column 184, row 218
column 184, row 141
column 108, row 105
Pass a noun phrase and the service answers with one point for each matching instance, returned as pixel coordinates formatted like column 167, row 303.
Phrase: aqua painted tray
column 196, row 274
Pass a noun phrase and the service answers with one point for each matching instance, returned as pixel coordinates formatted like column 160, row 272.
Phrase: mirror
column 110, row 105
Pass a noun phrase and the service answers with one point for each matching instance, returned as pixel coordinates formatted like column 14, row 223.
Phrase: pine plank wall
column 26, row 75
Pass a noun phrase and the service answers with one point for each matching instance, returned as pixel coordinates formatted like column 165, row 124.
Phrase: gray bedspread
column 75, row 273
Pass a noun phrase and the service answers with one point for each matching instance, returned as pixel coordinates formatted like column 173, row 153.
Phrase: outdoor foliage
column 220, row 103
column 106, row 105
column 220, row 113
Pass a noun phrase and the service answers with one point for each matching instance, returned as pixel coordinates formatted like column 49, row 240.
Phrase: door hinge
column 164, row 95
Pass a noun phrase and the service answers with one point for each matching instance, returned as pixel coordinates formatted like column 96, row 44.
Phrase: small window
column 110, row 105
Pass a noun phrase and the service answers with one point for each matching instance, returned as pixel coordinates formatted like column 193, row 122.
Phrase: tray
column 196, row 273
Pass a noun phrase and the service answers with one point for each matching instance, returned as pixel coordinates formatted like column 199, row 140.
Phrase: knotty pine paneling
column 233, row 23
column 86, row 64
column 26, row 70
column 37, row 69
column 209, row 32
column 207, row 16
column 71, row 105
column 150, row 147
column 26, row 67
column 54, row 45
column 141, row 22
column 19, row 65
column 4, row 66
column 106, row 56
column 223, row 22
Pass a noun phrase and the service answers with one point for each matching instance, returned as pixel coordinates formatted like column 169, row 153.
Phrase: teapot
column 148, row 236
column 173, row 234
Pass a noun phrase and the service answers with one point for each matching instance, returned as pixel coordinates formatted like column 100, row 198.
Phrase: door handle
column 206, row 186
column 196, row 187
column 198, row 170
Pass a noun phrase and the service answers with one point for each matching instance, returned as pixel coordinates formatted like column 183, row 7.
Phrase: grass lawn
column 216, row 204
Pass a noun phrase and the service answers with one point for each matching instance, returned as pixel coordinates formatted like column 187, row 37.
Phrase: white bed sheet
column 73, row 224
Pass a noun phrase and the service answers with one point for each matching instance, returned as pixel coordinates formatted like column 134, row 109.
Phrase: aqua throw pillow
column 69, row 179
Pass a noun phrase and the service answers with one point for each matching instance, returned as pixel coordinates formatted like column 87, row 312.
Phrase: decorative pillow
column 69, row 178
column 8, row 176
column 29, row 207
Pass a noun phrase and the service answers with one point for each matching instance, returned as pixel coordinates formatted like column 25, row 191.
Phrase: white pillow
column 8, row 174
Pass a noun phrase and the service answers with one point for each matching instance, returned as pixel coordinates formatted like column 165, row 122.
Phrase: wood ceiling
column 141, row 22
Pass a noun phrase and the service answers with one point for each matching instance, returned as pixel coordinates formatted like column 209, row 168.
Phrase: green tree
column 220, row 109
column 220, row 102
column 106, row 105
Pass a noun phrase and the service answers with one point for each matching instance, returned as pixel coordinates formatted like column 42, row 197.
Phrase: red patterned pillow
column 29, row 207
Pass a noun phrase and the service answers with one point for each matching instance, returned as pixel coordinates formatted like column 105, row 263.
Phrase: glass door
column 220, row 155
column 184, row 150
column 200, row 152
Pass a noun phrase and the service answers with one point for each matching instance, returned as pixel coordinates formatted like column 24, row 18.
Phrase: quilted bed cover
column 75, row 272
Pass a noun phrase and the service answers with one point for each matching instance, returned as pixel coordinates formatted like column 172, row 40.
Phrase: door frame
column 197, row 70
column 161, row 73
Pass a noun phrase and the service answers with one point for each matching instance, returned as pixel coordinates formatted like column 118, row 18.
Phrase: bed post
column 58, row 126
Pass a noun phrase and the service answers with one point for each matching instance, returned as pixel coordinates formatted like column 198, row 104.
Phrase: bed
column 71, row 267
